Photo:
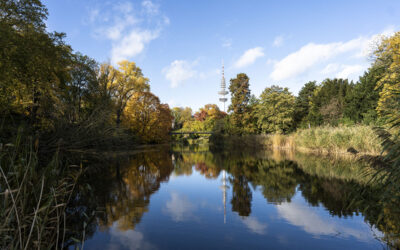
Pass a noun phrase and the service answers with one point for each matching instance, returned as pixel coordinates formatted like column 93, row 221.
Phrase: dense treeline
column 54, row 101
column 54, row 92
column 372, row 100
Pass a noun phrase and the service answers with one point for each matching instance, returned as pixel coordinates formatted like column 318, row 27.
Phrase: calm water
column 195, row 199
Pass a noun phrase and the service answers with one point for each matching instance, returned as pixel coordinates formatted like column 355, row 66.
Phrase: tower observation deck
column 222, row 93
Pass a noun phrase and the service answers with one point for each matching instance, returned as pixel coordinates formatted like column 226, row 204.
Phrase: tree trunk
column 118, row 117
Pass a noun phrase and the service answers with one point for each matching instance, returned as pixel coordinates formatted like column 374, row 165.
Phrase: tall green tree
column 328, row 101
column 362, row 100
column 275, row 110
column 302, row 103
column 250, row 118
column 240, row 96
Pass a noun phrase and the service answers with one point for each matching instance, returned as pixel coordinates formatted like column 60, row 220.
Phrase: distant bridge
column 191, row 133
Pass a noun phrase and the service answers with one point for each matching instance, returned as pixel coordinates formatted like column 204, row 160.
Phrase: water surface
column 195, row 199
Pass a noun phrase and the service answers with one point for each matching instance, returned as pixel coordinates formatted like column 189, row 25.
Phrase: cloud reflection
column 254, row 225
column 307, row 218
column 129, row 239
column 179, row 207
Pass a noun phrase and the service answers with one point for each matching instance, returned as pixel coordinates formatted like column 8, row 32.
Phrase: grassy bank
column 338, row 139
column 324, row 140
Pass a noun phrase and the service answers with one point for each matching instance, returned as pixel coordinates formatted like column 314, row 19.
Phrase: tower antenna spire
column 223, row 91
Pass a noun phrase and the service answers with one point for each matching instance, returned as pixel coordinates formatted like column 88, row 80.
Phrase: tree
column 23, row 14
column 322, row 96
column 186, row 114
column 302, row 103
column 240, row 96
column 83, row 74
column 275, row 110
column 362, row 100
column 210, row 111
column 181, row 115
column 250, row 117
column 148, row 118
column 33, row 64
column 331, row 112
column 128, row 80
column 388, row 59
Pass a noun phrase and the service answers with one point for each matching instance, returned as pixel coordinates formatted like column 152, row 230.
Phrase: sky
column 180, row 45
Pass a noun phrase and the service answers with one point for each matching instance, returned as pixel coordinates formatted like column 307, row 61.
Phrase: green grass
column 339, row 139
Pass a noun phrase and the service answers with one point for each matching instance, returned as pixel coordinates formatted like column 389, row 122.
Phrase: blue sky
column 180, row 44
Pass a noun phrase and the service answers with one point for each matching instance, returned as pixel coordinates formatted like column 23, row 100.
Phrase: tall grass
column 339, row 139
column 33, row 197
column 319, row 140
column 282, row 141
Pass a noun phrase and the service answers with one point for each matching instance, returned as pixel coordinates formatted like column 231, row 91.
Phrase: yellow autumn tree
column 181, row 116
column 123, row 83
column 388, row 58
column 148, row 118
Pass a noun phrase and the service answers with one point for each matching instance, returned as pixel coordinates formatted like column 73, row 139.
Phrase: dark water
column 195, row 199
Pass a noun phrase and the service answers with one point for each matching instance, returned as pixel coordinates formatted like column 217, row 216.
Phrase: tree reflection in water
column 118, row 190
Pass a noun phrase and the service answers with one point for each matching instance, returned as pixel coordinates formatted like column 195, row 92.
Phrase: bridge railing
column 190, row 133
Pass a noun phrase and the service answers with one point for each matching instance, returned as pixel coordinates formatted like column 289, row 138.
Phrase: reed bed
column 33, row 197
column 339, row 139
column 329, row 140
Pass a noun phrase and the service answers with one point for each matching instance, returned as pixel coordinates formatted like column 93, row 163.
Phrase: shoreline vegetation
column 55, row 101
column 342, row 140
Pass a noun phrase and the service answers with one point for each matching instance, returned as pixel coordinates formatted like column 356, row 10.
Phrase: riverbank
column 355, row 140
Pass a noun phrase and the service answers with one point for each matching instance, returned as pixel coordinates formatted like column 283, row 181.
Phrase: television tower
column 223, row 91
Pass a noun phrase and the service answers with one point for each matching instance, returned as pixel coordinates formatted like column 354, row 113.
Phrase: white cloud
column 130, row 28
column 254, row 225
column 178, row 72
column 309, row 55
column 123, row 7
column 343, row 70
column 249, row 57
column 312, row 54
column 350, row 70
column 150, row 7
column 131, row 45
column 330, row 68
column 93, row 15
column 369, row 45
column 271, row 61
column 278, row 41
column 179, row 208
